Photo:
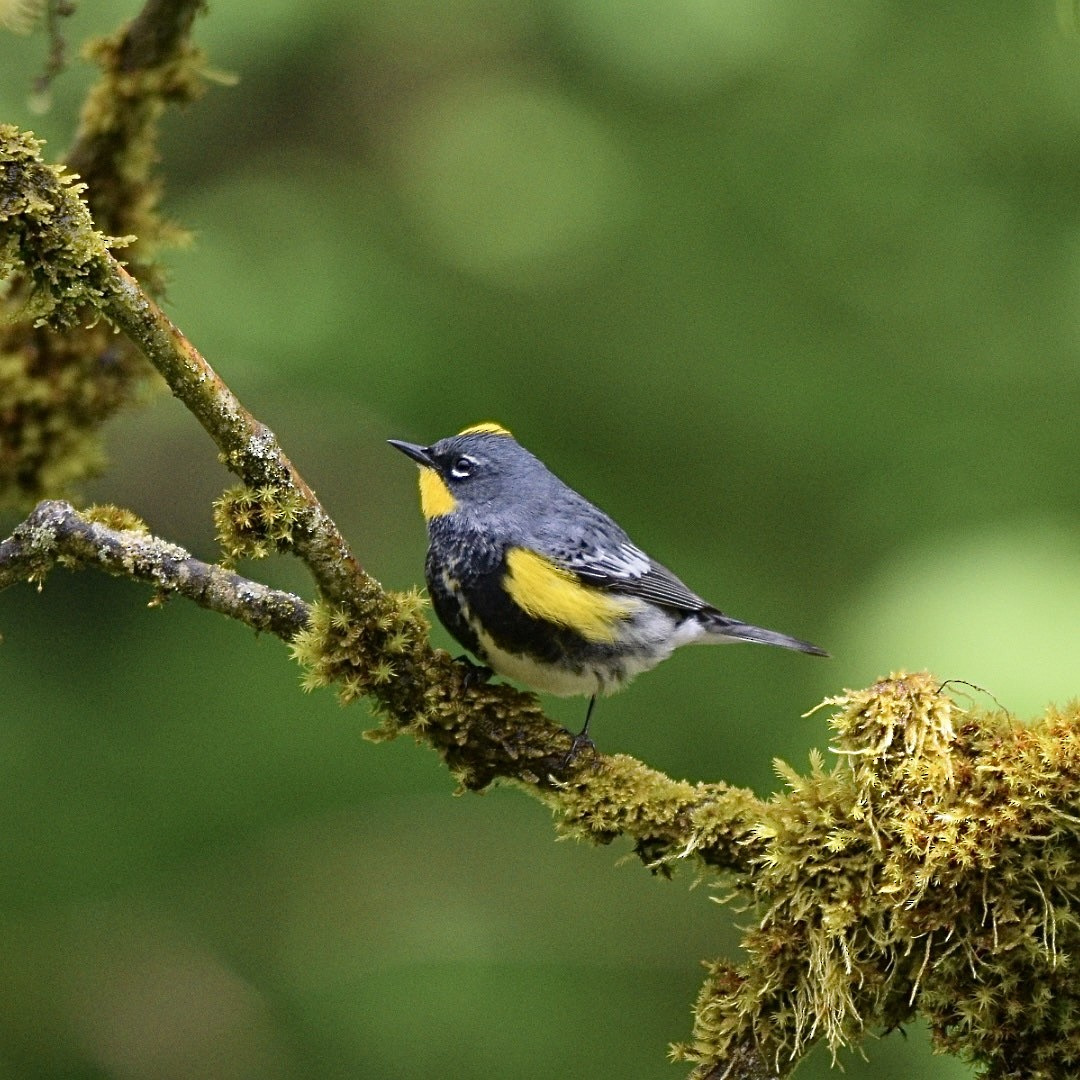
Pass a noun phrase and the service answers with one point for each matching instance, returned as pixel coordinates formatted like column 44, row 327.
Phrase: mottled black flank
column 476, row 560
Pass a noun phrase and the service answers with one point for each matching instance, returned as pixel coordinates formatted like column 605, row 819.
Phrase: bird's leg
column 581, row 739
column 583, row 734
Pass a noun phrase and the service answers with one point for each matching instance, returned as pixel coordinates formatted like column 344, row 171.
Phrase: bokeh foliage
column 788, row 286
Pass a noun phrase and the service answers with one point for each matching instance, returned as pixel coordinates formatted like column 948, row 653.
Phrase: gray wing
column 581, row 538
column 626, row 569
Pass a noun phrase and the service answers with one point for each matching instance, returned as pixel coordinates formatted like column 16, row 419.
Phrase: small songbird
column 543, row 586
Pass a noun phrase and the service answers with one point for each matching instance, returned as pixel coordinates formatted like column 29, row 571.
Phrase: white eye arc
column 462, row 467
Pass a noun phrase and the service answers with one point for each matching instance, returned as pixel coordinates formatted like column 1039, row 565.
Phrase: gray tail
column 725, row 626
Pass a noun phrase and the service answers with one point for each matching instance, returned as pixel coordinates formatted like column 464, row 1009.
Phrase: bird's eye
column 462, row 467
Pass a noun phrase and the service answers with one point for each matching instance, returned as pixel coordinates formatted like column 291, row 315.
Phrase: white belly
column 649, row 638
column 543, row 677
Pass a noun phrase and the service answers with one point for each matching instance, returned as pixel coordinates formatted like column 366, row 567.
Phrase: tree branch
column 147, row 65
column 158, row 33
column 59, row 388
column 248, row 448
column 482, row 731
column 56, row 533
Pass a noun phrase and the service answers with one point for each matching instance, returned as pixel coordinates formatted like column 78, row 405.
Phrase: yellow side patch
column 546, row 591
column 489, row 427
column 435, row 497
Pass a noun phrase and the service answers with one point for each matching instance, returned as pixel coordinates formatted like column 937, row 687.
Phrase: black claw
column 474, row 674
column 580, row 742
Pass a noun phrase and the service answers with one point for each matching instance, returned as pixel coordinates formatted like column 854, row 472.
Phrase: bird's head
column 480, row 468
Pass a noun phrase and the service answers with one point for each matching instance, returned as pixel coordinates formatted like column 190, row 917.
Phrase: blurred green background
column 788, row 286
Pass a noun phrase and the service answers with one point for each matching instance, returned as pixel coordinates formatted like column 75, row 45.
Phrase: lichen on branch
column 111, row 539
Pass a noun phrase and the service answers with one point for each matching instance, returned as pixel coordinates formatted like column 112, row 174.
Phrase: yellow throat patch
column 435, row 497
column 547, row 591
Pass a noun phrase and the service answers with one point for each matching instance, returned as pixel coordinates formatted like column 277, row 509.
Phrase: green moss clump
column 116, row 517
column 56, row 389
column 933, row 871
column 357, row 651
column 62, row 373
column 47, row 236
column 55, row 394
column 380, row 650
column 253, row 523
column 116, row 148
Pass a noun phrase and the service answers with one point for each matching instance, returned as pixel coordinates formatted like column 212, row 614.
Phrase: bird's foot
column 581, row 741
column 474, row 674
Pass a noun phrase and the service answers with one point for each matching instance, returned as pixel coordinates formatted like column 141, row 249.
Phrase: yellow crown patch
column 489, row 427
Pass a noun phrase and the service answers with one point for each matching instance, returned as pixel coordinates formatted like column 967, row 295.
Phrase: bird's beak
column 419, row 454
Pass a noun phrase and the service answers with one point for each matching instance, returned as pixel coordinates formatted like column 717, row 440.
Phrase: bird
column 544, row 587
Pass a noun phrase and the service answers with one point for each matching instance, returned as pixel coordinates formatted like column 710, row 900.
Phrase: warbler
column 540, row 584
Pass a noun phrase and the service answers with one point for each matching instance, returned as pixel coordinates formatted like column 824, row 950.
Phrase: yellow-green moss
column 380, row 650
column 117, row 144
column 357, row 650
column 56, row 388
column 933, row 871
column 55, row 393
column 252, row 524
column 47, row 236
column 116, row 517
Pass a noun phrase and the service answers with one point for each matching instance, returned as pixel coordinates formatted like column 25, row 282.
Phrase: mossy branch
column 146, row 66
column 483, row 732
column 116, row 542
column 933, row 872
column 360, row 637
column 248, row 448
column 57, row 389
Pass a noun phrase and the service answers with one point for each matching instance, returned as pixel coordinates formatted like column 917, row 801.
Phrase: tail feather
column 726, row 627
